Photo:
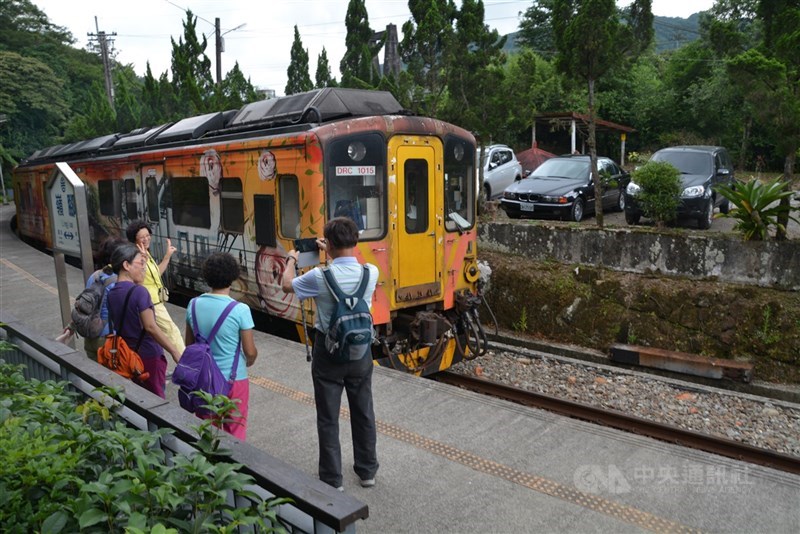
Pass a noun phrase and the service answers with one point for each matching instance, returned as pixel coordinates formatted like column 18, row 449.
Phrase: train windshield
column 459, row 184
column 356, row 179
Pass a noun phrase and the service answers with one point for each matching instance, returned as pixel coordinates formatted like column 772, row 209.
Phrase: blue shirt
column 223, row 347
column 347, row 272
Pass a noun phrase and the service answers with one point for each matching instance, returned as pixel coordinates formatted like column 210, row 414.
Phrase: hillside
column 670, row 33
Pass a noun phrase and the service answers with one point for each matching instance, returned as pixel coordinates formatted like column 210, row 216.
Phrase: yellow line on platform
column 542, row 485
column 27, row 275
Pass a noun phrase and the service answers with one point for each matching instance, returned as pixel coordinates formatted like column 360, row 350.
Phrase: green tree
column 99, row 118
column 475, row 66
column 323, row 76
column 426, row 39
column 127, row 99
column 770, row 79
column 591, row 39
column 191, row 70
column 535, row 29
column 356, row 65
column 298, row 80
column 235, row 90
column 531, row 84
column 31, row 97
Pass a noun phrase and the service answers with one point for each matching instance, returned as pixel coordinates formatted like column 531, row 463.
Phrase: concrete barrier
column 724, row 257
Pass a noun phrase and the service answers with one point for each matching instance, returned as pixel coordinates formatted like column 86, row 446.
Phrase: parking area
column 616, row 219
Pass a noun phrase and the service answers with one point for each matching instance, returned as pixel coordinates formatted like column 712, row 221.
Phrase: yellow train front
column 252, row 181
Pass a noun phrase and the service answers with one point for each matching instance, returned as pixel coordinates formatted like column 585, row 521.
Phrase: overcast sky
column 262, row 46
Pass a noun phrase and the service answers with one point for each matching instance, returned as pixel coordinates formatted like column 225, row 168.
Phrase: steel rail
column 614, row 419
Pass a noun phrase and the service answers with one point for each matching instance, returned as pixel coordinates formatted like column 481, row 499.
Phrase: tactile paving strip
column 542, row 485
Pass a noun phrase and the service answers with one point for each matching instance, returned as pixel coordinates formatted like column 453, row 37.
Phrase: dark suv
column 702, row 168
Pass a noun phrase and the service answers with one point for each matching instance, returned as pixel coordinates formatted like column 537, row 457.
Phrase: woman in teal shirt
column 220, row 270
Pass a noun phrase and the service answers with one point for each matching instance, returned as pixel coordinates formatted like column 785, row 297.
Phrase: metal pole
column 3, row 184
column 218, row 49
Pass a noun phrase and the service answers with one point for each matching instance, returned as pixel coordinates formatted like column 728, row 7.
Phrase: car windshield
column 569, row 168
column 686, row 162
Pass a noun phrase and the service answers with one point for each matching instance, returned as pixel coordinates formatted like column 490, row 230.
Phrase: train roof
column 298, row 112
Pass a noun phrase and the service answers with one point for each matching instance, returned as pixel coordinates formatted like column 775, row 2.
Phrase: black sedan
column 563, row 187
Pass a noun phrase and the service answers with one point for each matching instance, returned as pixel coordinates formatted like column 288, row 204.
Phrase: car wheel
column 725, row 207
column 576, row 214
column 704, row 222
column 621, row 202
column 632, row 218
column 487, row 193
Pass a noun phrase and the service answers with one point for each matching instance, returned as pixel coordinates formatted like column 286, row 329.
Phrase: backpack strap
column 109, row 279
column 122, row 319
column 352, row 299
column 224, row 315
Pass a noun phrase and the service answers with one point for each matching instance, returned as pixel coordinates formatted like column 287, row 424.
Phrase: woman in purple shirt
column 139, row 328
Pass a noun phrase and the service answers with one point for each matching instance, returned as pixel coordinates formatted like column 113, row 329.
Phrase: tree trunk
column 788, row 177
column 748, row 124
column 598, row 187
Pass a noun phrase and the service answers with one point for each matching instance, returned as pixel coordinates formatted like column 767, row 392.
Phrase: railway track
column 628, row 423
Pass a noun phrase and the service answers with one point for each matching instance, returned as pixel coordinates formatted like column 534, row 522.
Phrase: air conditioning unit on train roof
column 192, row 128
column 319, row 105
column 142, row 137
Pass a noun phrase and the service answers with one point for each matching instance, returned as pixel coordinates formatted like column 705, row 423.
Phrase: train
column 252, row 181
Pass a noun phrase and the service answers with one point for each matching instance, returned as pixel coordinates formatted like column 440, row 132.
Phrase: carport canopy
column 580, row 122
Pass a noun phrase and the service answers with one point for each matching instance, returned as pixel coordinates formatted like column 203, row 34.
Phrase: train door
column 418, row 210
column 152, row 180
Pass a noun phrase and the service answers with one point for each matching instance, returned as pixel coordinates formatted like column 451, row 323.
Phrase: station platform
column 455, row 461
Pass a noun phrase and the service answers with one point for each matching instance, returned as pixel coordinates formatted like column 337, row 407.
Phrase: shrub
column 660, row 191
column 70, row 464
column 757, row 207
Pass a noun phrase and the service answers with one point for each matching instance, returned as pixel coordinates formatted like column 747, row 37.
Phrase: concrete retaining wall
column 725, row 257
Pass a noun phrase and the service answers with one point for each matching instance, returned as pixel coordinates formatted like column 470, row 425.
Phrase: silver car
column 501, row 169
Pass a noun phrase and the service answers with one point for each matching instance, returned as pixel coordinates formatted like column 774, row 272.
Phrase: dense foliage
column 660, row 189
column 69, row 464
column 736, row 84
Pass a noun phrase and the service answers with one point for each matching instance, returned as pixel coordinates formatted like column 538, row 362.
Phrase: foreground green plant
column 68, row 464
column 660, row 190
column 757, row 207
column 521, row 325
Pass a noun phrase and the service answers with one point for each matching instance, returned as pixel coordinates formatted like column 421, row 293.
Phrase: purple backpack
column 198, row 371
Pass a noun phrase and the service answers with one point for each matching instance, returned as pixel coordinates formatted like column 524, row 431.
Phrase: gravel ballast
column 764, row 423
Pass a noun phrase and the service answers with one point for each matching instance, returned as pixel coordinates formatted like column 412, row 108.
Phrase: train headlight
column 458, row 151
column 471, row 271
column 356, row 150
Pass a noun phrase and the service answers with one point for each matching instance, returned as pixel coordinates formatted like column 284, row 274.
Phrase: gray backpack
column 86, row 319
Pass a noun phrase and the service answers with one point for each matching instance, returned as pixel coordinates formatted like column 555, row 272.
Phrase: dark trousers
column 329, row 380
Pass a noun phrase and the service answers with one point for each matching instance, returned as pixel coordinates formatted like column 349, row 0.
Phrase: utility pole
column 218, row 49
column 104, row 43
column 220, row 45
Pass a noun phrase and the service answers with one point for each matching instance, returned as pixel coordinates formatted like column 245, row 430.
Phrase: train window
column 232, row 205
column 459, row 184
column 108, row 193
column 131, row 206
column 151, row 188
column 289, row 202
column 264, row 220
column 190, row 202
column 356, row 182
column 416, row 195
